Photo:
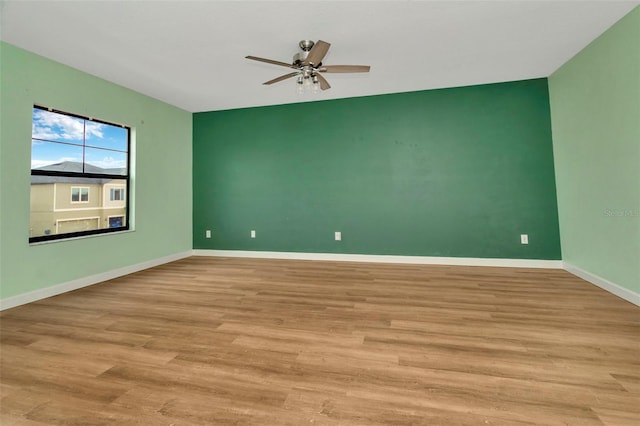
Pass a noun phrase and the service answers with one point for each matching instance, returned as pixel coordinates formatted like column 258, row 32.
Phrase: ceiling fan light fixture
column 300, row 85
column 308, row 67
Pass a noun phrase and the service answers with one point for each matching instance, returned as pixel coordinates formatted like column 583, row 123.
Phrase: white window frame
column 113, row 191
column 80, row 188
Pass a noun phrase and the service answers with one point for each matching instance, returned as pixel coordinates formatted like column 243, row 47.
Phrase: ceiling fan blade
column 270, row 61
column 324, row 84
column 345, row 68
column 282, row 77
column 317, row 53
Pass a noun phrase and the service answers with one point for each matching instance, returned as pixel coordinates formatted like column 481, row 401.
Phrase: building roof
column 75, row 167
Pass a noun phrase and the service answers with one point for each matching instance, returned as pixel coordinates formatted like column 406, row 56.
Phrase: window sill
column 81, row 237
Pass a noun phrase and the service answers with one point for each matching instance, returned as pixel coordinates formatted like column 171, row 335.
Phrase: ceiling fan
column 308, row 65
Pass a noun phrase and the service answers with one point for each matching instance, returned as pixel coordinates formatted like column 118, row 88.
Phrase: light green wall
column 595, row 110
column 162, row 175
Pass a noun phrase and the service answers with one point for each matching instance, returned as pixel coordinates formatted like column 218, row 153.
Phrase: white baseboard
column 624, row 293
column 43, row 293
column 415, row 260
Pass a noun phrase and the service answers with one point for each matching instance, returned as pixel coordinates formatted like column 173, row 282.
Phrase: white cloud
column 94, row 129
column 52, row 126
column 108, row 163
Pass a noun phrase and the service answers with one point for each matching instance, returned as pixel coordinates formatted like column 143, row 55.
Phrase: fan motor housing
column 299, row 57
column 305, row 47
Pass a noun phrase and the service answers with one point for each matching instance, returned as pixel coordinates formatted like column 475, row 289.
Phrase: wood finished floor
column 272, row 342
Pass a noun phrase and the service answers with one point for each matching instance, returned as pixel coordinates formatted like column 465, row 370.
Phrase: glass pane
column 106, row 136
column 56, row 156
column 53, row 211
column 116, row 222
column 117, row 194
column 52, row 126
column 103, row 161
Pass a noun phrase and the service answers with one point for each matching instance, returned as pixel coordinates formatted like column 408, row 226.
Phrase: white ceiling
column 191, row 53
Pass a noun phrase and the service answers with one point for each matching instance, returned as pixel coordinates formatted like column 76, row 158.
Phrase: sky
column 104, row 145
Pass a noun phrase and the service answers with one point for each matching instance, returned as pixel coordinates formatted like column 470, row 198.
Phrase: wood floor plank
column 282, row 342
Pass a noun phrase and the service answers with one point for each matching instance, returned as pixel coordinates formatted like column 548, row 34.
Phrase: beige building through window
column 61, row 204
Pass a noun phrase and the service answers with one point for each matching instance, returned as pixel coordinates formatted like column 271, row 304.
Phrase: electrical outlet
column 253, row 233
column 207, row 233
column 338, row 236
column 524, row 239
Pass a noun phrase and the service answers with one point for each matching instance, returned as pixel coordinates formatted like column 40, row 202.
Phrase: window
column 116, row 221
column 79, row 194
column 116, row 194
column 79, row 176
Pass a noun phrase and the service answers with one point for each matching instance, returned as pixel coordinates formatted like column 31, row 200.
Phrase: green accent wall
column 595, row 106
column 458, row 172
column 161, row 177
